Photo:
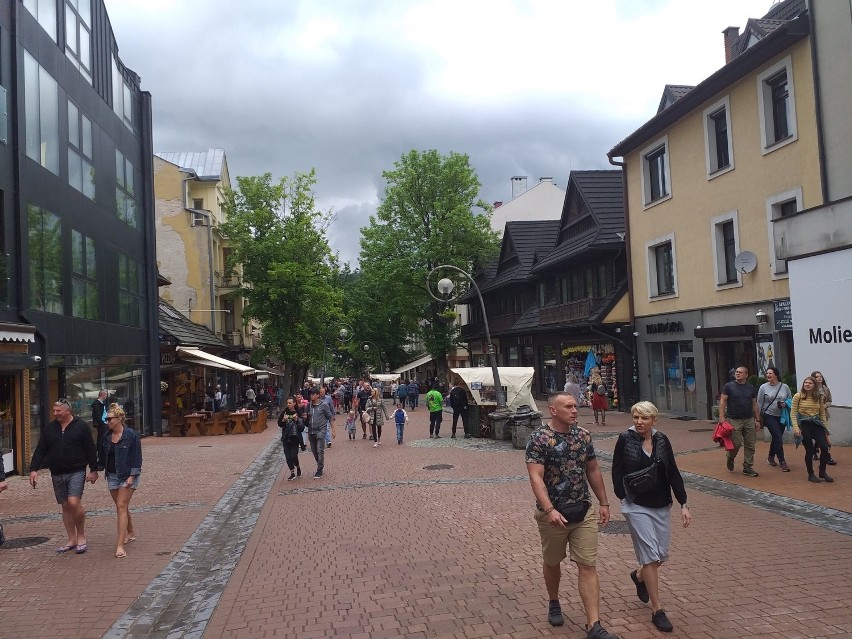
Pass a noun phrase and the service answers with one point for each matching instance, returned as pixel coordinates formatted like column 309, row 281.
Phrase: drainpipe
column 210, row 269
column 823, row 174
column 631, row 313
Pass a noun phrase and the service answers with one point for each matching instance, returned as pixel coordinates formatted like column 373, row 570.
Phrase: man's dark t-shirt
column 740, row 398
column 363, row 396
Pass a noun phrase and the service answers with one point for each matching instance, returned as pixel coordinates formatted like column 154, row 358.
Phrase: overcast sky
column 524, row 87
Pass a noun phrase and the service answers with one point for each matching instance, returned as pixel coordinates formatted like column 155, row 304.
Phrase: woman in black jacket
column 291, row 424
column 646, row 505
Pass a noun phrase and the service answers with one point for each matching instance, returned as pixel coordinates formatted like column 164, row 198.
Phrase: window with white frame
column 777, row 207
column 661, row 265
column 726, row 245
column 656, row 177
column 777, row 105
column 718, row 144
column 45, row 12
column 81, row 170
column 78, row 35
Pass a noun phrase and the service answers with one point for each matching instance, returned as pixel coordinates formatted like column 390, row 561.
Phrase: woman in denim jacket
column 120, row 455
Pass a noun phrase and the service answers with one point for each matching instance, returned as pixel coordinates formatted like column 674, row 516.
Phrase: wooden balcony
column 571, row 312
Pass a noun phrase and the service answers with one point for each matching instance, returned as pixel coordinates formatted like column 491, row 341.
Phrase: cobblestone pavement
column 433, row 538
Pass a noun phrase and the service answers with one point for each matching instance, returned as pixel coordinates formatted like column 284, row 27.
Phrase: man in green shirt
column 435, row 403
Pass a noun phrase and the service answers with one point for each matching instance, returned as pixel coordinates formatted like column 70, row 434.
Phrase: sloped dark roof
column 184, row 331
column 528, row 237
column 603, row 193
column 672, row 93
column 780, row 39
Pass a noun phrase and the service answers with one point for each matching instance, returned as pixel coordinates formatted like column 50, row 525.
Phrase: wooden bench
column 176, row 426
column 195, row 425
column 258, row 424
column 216, row 425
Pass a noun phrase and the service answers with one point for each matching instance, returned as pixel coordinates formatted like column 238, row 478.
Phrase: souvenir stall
column 580, row 361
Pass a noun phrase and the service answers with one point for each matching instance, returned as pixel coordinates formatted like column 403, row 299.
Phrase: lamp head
column 761, row 317
column 365, row 347
column 344, row 333
column 445, row 286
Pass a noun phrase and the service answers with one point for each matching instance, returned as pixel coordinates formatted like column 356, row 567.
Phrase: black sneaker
column 318, row 474
column 730, row 464
column 831, row 461
column 328, row 445
column 453, row 436
column 554, row 613
column 641, row 588
column 662, row 622
column 749, row 472
column 597, row 631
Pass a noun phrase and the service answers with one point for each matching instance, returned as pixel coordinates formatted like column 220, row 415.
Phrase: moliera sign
column 833, row 335
column 664, row 327
column 821, row 304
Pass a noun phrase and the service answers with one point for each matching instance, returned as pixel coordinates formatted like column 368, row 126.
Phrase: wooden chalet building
column 557, row 296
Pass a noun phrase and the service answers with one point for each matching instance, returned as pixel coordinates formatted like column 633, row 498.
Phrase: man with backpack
column 458, row 402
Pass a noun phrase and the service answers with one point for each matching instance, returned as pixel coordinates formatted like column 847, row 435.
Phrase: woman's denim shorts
column 113, row 482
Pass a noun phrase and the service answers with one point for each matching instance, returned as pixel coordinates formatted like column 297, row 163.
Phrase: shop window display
column 579, row 361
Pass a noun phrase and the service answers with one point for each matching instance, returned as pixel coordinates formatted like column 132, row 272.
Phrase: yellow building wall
column 695, row 199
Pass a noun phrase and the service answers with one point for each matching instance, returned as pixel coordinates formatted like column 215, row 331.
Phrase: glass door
column 7, row 420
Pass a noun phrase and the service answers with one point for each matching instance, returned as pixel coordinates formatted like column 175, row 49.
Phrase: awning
column 265, row 371
column 17, row 332
column 203, row 358
column 412, row 365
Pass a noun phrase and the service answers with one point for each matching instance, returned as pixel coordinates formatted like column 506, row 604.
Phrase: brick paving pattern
column 383, row 546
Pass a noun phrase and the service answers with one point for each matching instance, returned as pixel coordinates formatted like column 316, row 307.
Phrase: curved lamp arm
column 498, row 387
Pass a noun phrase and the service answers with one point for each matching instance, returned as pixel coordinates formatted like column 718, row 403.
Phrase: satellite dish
column 745, row 262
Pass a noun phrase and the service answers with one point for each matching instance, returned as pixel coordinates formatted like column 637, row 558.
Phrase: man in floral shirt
column 562, row 465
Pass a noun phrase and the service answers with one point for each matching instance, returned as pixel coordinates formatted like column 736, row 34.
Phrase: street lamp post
column 445, row 287
column 365, row 346
column 343, row 336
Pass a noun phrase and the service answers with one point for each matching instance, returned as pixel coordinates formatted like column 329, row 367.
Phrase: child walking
column 350, row 424
column 400, row 417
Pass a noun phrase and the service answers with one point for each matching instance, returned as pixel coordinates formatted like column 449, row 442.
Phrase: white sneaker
column 376, row 445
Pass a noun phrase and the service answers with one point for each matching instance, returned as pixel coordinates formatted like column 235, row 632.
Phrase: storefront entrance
column 673, row 384
column 7, row 420
column 723, row 359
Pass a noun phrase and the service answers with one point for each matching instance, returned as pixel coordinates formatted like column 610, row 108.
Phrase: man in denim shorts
column 67, row 447
column 562, row 465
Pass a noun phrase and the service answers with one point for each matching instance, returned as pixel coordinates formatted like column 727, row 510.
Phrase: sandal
column 64, row 549
column 120, row 554
column 130, row 540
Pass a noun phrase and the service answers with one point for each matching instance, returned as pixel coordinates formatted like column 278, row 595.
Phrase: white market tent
column 517, row 381
column 385, row 377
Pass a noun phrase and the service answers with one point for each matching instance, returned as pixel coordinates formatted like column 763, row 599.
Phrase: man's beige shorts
column 581, row 539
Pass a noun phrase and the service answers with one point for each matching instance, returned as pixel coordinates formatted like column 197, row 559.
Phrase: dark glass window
column 730, row 251
column 780, row 97
column 45, row 256
column 84, row 285
column 130, row 306
column 665, row 268
column 656, row 165
column 720, row 137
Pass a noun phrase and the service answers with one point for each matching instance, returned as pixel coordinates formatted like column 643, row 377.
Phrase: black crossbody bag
column 644, row 480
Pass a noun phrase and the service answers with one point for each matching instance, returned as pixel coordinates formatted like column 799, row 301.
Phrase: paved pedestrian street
column 434, row 538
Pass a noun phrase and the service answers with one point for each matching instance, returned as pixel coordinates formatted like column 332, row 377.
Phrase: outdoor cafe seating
column 206, row 423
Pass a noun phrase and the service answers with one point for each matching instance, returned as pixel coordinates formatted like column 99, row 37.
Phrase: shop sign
column 167, row 357
column 783, row 316
column 762, row 338
column 821, row 300
column 664, row 327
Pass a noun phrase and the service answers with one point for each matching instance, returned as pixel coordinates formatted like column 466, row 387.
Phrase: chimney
column 545, row 179
column 731, row 34
column 519, row 185
column 498, row 204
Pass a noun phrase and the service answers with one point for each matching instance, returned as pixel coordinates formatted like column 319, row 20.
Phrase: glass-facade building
column 78, row 292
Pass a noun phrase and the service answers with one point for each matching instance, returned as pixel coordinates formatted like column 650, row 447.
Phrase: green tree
column 426, row 219
column 277, row 235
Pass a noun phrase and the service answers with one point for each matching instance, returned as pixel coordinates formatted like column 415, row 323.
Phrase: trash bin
column 471, row 429
column 524, row 421
column 501, row 427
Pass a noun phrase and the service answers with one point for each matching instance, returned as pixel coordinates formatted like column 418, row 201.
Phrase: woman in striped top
column 809, row 421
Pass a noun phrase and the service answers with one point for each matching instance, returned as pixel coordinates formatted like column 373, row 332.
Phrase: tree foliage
column 277, row 235
column 426, row 219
